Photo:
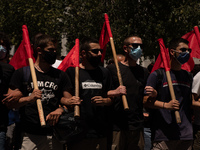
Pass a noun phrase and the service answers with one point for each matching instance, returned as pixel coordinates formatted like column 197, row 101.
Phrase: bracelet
column 163, row 105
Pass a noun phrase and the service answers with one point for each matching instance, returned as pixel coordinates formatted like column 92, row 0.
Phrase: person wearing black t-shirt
column 94, row 83
column 128, row 125
column 166, row 132
column 6, row 72
column 53, row 85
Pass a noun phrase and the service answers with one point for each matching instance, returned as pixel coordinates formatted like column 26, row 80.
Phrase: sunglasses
column 52, row 49
column 186, row 49
column 96, row 51
column 135, row 45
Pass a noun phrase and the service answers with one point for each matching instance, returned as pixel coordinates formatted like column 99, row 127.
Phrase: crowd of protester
column 148, row 123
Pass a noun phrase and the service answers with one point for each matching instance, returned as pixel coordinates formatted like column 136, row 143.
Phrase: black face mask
column 94, row 61
column 49, row 57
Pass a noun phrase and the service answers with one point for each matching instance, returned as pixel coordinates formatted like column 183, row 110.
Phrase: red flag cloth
column 24, row 51
column 105, row 36
column 72, row 58
column 159, row 61
column 189, row 65
column 194, row 42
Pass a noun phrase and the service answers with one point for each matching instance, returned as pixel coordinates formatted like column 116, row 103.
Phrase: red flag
column 189, row 65
column 24, row 51
column 105, row 36
column 162, row 58
column 72, row 58
column 194, row 42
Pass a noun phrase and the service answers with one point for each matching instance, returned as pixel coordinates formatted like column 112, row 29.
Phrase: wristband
column 163, row 105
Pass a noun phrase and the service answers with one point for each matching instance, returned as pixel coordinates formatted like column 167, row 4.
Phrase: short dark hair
column 6, row 41
column 126, row 39
column 173, row 44
column 42, row 41
column 34, row 38
column 85, row 43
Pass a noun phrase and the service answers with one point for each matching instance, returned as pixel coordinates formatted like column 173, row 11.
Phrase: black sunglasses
column 96, row 51
column 135, row 45
column 52, row 49
column 186, row 49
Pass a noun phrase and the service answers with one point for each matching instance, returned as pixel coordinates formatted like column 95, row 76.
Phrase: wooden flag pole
column 39, row 103
column 76, row 107
column 124, row 100
column 171, row 89
column 32, row 69
column 169, row 80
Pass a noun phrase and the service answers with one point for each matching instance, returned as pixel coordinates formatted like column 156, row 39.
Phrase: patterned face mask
column 183, row 57
column 135, row 53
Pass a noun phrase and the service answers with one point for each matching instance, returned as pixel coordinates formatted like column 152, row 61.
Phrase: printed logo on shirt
column 47, row 88
column 47, row 95
column 91, row 85
column 46, row 84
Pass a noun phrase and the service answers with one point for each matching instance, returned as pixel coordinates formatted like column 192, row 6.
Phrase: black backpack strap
column 26, row 76
column 26, row 73
column 190, row 77
column 159, row 75
column 160, row 78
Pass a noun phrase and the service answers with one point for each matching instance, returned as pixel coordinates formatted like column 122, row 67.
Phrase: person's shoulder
column 56, row 71
column 186, row 72
column 103, row 69
column 197, row 75
column 71, row 69
column 158, row 73
column 113, row 66
column 6, row 66
column 21, row 69
column 143, row 69
column 110, row 66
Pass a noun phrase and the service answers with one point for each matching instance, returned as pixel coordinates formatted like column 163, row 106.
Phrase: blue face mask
column 183, row 57
column 135, row 53
column 3, row 52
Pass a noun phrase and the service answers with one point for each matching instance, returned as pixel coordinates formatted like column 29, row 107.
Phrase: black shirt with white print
column 96, row 82
column 52, row 84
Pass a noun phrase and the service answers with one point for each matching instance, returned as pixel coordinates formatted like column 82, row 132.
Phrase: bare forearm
column 156, row 104
column 150, row 102
column 17, row 104
column 195, row 101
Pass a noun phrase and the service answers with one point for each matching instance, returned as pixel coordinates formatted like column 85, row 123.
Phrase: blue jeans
column 147, row 138
column 2, row 140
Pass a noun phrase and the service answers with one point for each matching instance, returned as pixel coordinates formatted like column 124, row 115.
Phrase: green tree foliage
column 150, row 19
column 39, row 16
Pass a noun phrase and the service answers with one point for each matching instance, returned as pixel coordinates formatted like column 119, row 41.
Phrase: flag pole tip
column 24, row 27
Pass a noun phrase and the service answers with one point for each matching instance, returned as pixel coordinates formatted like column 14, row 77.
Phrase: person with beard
column 128, row 124
column 94, row 83
column 166, row 132
column 53, row 85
